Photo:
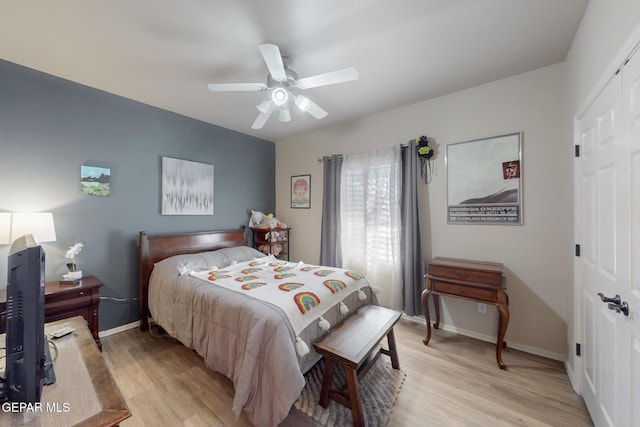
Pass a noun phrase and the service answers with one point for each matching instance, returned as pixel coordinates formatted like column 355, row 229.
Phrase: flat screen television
column 26, row 345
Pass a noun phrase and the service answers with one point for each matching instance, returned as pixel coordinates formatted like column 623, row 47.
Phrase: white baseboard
column 118, row 329
column 491, row 339
column 571, row 375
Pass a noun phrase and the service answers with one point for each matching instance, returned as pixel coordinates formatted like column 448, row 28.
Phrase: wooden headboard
column 154, row 248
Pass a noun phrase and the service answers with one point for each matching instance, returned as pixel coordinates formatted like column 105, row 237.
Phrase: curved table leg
column 503, row 322
column 425, row 308
column 436, row 304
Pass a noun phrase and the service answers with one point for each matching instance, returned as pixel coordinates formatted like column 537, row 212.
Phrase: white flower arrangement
column 71, row 254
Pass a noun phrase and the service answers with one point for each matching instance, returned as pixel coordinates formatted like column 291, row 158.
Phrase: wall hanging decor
column 301, row 191
column 425, row 154
column 484, row 181
column 187, row 187
column 95, row 181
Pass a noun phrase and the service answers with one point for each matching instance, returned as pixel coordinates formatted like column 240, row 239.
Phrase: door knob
column 616, row 300
column 620, row 308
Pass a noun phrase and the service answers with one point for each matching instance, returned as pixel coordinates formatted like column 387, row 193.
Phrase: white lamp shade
column 285, row 115
column 39, row 225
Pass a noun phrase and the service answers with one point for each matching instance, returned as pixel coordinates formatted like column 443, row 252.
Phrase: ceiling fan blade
column 330, row 78
column 265, row 113
column 316, row 111
column 273, row 59
column 237, row 87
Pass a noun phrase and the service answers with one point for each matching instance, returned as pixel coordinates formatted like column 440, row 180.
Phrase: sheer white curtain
column 370, row 216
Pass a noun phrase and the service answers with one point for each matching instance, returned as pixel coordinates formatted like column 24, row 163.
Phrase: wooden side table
column 62, row 301
column 84, row 394
column 471, row 280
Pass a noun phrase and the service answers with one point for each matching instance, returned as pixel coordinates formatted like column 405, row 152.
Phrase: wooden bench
column 351, row 345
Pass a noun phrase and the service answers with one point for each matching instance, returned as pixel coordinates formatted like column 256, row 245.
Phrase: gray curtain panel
column 330, row 248
column 411, row 242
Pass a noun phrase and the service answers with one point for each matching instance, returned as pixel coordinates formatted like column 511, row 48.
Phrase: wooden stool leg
column 354, row 397
column 327, row 378
column 393, row 350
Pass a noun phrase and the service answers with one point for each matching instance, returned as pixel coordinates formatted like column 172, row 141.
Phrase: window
column 370, row 217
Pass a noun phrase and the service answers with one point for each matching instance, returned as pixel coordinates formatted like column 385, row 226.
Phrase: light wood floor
column 454, row 381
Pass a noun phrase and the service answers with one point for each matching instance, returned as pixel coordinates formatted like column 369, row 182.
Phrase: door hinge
column 577, row 250
column 577, row 150
column 578, row 349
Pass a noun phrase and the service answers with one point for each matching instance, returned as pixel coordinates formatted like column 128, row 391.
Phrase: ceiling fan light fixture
column 264, row 106
column 285, row 115
column 303, row 103
column 279, row 96
column 284, row 84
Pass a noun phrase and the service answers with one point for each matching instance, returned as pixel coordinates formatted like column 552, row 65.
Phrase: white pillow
column 179, row 265
column 240, row 253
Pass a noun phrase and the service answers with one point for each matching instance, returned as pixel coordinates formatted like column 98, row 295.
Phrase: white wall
column 608, row 30
column 537, row 255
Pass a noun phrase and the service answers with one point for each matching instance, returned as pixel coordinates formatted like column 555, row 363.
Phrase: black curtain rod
column 320, row 159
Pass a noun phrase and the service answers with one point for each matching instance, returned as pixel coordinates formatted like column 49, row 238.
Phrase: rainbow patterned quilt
column 304, row 292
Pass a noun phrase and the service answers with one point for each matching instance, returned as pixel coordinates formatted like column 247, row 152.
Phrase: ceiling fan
column 283, row 83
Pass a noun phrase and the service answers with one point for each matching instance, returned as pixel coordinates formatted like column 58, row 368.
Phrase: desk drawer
column 58, row 305
column 477, row 276
column 463, row 291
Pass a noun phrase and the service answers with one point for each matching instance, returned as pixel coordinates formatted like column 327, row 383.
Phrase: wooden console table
column 471, row 280
column 84, row 394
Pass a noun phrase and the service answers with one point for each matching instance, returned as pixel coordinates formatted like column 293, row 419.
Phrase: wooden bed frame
column 154, row 248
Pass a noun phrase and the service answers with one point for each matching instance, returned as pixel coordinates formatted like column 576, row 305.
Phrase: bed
column 186, row 286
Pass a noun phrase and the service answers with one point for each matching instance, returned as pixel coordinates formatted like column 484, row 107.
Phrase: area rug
column 378, row 392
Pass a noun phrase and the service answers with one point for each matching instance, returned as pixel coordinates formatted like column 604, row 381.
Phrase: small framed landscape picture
column 301, row 191
column 95, row 181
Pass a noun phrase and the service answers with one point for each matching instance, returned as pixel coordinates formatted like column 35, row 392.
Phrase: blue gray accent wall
column 49, row 127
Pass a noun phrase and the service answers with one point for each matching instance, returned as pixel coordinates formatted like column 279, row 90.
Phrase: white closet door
column 608, row 270
column 630, row 292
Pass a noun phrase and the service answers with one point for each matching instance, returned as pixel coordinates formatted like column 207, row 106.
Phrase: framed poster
column 484, row 181
column 187, row 187
column 301, row 191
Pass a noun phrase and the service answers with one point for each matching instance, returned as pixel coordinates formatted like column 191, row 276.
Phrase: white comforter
column 249, row 340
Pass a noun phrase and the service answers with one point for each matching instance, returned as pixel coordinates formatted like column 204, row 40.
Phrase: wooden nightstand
column 62, row 301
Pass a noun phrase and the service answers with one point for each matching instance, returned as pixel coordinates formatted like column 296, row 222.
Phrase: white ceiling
column 164, row 53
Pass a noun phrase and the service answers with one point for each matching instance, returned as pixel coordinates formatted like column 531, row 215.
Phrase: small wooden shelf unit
column 266, row 239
